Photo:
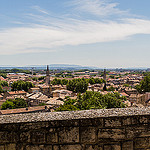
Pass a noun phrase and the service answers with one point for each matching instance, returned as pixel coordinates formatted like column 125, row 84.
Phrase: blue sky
column 101, row 33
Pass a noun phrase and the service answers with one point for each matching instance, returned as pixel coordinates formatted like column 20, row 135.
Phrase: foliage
column 77, row 85
column 3, row 83
column 112, row 76
column 42, row 104
column 111, row 88
column 144, row 85
column 126, row 85
column 64, row 81
column 4, row 75
column 1, row 89
column 14, row 103
column 56, row 81
column 21, row 85
column 93, row 100
column 35, row 78
column 95, row 81
column 41, row 78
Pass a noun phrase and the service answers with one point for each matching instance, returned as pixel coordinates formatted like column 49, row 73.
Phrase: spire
column 104, row 77
column 47, row 71
column 47, row 76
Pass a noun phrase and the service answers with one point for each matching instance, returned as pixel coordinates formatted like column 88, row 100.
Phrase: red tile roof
column 17, row 92
column 22, row 110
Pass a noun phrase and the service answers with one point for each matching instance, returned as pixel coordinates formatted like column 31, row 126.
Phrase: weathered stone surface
column 142, row 142
column 114, row 129
column 55, row 147
column 127, row 145
column 113, row 134
column 88, row 134
column 71, row 147
column 69, row 134
column 39, row 147
column 112, row 147
column 74, row 115
column 38, row 137
column 93, row 147
column 112, row 122
column 7, row 137
column 2, row 147
column 25, row 137
column 52, row 136
column 10, row 147
column 137, row 131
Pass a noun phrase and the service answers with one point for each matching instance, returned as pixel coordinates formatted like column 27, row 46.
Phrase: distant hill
column 51, row 67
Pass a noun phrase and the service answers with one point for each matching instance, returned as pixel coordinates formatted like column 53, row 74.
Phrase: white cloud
column 39, row 9
column 97, row 7
column 46, row 38
column 53, row 32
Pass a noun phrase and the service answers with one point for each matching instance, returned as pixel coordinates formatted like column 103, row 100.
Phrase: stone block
column 142, row 143
column 69, row 123
column 71, row 147
column 55, row 147
column 88, row 134
column 112, row 122
column 93, row 147
column 54, row 124
column 2, row 147
column 25, row 137
column 69, row 134
column 137, row 131
column 127, row 145
column 39, row 147
column 143, row 120
column 34, row 126
column 112, row 147
column 52, row 136
column 38, row 137
column 98, row 122
column 10, row 147
column 126, row 121
column 112, row 134
column 7, row 137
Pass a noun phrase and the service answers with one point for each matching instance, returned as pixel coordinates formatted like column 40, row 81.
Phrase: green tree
column 77, row 85
column 8, row 105
column 14, row 103
column 3, row 83
column 93, row 100
column 35, row 78
column 1, row 89
column 21, row 85
column 111, row 88
column 144, row 85
column 4, row 75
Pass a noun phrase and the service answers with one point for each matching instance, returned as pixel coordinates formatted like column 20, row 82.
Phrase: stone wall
column 113, row 129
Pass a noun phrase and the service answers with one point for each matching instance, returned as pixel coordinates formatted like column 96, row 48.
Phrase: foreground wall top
column 68, row 115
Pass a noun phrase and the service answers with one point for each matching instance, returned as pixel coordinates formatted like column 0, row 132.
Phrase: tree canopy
column 93, row 100
column 21, row 85
column 14, row 103
column 144, row 85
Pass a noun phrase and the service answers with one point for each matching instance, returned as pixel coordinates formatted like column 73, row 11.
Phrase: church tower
column 104, row 77
column 47, row 76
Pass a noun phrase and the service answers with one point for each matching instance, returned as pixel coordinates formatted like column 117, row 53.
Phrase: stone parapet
column 111, row 129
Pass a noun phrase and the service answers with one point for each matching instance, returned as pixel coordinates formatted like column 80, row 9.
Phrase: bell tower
column 47, row 76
